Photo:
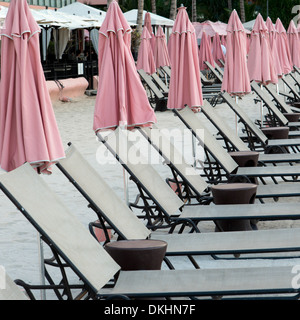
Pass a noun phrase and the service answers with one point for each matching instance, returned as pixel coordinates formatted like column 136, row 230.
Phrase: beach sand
column 19, row 240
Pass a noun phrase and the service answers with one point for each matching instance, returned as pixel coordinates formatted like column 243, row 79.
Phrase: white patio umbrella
column 131, row 17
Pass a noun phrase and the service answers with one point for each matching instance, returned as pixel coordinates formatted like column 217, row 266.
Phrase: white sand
column 18, row 239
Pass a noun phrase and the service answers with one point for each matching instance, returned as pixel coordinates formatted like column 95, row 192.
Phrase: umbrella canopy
column 236, row 78
column 121, row 98
column 145, row 59
column 161, row 53
column 93, row 16
column 185, row 82
column 294, row 44
column 210, row 28
column 217, row 51
column 28, row 129
column 273, row 44
column 62, row 19
column 147, row 24
column 205, row 52
column 283, row 48
column 80, row 9
column 260, row 59
column 156, row 20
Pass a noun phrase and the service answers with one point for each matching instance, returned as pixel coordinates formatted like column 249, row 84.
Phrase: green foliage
column 278, row 9
column 217, row 10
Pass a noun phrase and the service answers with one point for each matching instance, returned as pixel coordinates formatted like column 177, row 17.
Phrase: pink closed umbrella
column 121, row 99
column 223, row 40
column 185, row 82
column 283, row 48
column 260, row 60
column 273, row 34
column 217, row 51
column 236, row 78
column 145, row 59
column 161, row 53
column 28, row 129
column 147, row 24
column 205, row 52
column 294, row 44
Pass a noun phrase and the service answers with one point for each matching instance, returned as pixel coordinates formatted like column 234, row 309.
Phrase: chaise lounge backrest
column 278, row 98
column 208, row 141
column 269, row 103
column 175, row 159
column 67, row 235
column 223, row 128
column 245, row 118
column 141, row 171
column 101, row 196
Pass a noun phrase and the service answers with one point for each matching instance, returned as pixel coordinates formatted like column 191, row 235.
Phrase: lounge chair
column 187, row 181
column 279, row 100
column 223, row 162
column 295, row 75
column 215, row 72
column 90, row 190
column 275, row 116
column 233, row 142
column 161, row 84
column 167, row 70
column 211, row 282
column 109, row 207
column 256, row 139
column 147, row 176
column 156, row 97
column 291, row 87
column 163, row 75
column 297, row 70
column 207, row 82
column 210, row 90
column 217, row 67
column 209, row 85
column 222, row 62
column 70, row 241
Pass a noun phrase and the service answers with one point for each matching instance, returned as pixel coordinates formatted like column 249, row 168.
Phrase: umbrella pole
column 125, row 181
column 42, row 266
column 125, row 174
column 236, row 122
column 194, row 151
column 261, row 109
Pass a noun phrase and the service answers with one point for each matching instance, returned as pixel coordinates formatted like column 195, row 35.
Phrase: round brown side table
column 137, row 254
column 276, row 132
column 292, row 117
column 245, row 158
column 234, row 193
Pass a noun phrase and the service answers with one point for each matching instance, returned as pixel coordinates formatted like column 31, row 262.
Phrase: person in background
column 86, row 55
column 79, row 55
